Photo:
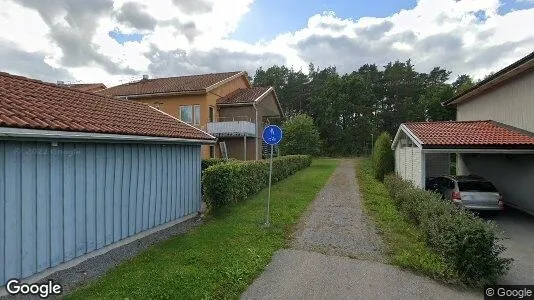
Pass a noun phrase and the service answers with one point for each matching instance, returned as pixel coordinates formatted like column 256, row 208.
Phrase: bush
column 468, row 243
column 206, row 163
column 234, row 181
column 383, row 158
column 300, row 136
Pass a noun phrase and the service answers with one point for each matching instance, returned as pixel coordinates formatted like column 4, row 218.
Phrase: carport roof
column 467, row 134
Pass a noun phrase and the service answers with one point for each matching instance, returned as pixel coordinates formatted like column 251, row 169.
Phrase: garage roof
column 31, row 104
column 467, row 134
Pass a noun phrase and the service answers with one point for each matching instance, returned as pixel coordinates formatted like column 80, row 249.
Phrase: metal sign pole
column 272, row 135
column 269, row 193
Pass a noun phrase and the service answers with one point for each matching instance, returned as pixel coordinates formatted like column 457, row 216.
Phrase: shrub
column 383, row 158
column 236, row 180
column 468, row 243
column 300, row 136
column 206, row 163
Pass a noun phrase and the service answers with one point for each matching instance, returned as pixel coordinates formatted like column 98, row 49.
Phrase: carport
column 500, row 153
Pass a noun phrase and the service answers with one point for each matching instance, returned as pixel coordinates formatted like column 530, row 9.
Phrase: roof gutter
column 165, row 94
column 480, row 151
column 40, row 134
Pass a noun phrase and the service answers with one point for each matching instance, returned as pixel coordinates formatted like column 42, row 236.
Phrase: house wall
column 511, row 104
column 61, row 202
column 511, row 174
column 240, row 113
column 171, row 104
column 268, row 107
column 248, row 111
column 236, row 149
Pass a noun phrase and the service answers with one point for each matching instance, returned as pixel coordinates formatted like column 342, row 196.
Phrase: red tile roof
column 182, row 84
column 87, row 87
column 469, row 133
column 241, row 96
column 28, row 103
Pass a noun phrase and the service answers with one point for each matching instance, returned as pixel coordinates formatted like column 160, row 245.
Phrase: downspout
column 257, row 129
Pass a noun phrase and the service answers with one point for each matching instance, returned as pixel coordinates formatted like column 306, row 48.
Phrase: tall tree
column 462, row 83
column 348, row 109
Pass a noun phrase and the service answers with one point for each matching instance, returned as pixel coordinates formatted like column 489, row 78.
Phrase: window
column 196, row 115
column 212, row 151
column 190, row 114
column 186, row 114
column 211, row 114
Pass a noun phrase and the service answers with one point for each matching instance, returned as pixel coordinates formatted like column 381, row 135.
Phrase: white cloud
column 181, row 37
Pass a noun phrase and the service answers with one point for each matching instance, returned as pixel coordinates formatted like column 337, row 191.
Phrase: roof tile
column 468, row 133
column 87, row 87
column 240, row 96
column 27, row 103
column 191, row 83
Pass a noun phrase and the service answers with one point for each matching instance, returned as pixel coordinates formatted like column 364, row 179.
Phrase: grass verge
column 220, row 258
column 406, row 243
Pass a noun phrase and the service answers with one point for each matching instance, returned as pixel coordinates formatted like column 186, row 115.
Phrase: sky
column 117, row 41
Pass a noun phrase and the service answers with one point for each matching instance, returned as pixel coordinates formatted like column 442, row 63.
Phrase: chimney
column 145, row 77
column 60, row 82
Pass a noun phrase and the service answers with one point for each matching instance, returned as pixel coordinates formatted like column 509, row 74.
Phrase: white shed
column 423, row 149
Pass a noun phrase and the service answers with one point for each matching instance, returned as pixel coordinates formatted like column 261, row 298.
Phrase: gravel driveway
column 336, row 253
column 336, row 223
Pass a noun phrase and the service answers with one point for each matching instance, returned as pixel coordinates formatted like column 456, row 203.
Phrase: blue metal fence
column 58, row 202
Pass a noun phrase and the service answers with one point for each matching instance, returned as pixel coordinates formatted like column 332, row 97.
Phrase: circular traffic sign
column 272, row 134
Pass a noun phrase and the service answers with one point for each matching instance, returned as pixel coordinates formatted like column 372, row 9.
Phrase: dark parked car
column 472, row 192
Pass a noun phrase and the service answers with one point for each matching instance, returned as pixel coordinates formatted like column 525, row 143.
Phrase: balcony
column 232, row 127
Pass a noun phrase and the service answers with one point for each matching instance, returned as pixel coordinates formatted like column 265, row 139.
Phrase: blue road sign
column 272, row 134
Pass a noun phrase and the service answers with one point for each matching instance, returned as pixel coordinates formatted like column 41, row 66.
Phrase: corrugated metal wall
column 60, row 202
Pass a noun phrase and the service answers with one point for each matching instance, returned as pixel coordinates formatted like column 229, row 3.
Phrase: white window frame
column 190, row 107
column 196, row 115
column 212, row 151
column 211, row 114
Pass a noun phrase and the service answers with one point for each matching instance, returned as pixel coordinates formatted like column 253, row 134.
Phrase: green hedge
column 206, row 163
column 468, row 244
column 234, row 181
column 383, row 156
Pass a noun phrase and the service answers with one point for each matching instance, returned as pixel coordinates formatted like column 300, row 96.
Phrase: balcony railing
column 227, row 127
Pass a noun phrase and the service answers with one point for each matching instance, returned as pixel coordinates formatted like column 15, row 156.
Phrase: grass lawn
column 220, row 258
column 406, row 243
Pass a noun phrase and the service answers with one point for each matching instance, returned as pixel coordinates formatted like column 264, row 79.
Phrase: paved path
column 518, row 238
column 336, row 253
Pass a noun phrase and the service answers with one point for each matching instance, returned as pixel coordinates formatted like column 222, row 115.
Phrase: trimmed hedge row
column 206, row 163
column 234, row 181
column 468, row 243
